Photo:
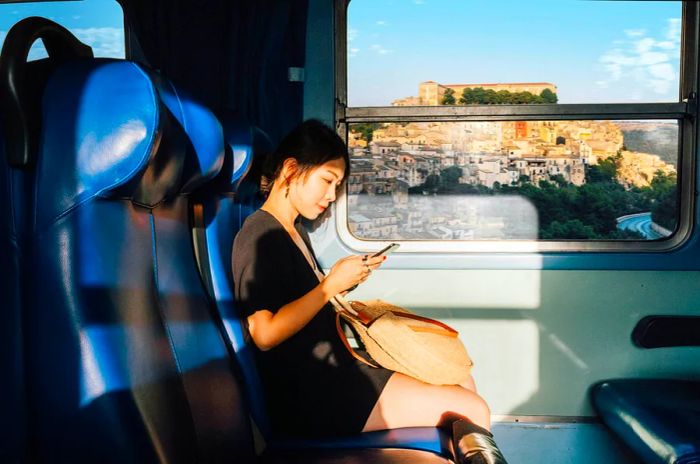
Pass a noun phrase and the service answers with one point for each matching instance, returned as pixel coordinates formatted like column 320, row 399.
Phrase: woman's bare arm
column 269, row 329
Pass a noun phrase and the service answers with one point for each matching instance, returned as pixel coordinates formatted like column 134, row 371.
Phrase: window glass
column 432, row 52
column 98, row 23
column 550, row 180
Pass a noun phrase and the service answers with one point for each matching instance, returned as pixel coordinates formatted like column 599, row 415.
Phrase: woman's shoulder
column 259, row 226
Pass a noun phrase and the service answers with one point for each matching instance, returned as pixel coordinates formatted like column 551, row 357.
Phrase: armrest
column 667, row 331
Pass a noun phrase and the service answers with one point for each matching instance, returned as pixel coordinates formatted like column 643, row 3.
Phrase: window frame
column 685, row 112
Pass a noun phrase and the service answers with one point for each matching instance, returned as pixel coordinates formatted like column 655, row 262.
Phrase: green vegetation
column 448, row 98
column 664, row 200
column 366, row 129
column 480, row 96
column 567, row 211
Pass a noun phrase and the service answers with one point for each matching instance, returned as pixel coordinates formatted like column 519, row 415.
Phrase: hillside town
column 399, row 156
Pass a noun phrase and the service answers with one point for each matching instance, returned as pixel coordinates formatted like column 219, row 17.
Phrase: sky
column 593, row 51
column 99, row 23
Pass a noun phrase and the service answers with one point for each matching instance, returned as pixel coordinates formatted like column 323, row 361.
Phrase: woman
column 313, row 386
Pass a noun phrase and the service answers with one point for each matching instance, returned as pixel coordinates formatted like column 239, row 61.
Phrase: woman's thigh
column 407, row 402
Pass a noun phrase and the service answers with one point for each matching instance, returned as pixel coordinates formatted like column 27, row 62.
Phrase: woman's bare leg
column 407, row 402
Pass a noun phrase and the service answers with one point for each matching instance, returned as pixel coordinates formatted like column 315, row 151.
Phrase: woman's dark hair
column 311, row 144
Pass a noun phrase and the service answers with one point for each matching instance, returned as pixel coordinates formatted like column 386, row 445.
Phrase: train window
column 98, row 23
column 569, row 131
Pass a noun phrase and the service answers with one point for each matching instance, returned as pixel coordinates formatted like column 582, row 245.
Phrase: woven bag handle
column 344, row 339
column 443, row 329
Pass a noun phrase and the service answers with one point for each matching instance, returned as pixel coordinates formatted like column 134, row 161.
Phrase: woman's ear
column 289, row 169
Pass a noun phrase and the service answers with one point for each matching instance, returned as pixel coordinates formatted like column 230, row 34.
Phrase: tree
column 604, row 171
column 481, row 96
column 571, row 229
column 449, row 177
column 664, row 198
column 559, row 180
column 366, row 129
column 548, row 96
column 448, row 97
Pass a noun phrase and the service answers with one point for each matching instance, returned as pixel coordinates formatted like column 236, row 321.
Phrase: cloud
column 353, row 52
column 674, row 29
column 352, row 33
column 644, row 63
column 419, row 2
column 380, row 49
column 635, row 32
column 382, row 23
column 106, row 42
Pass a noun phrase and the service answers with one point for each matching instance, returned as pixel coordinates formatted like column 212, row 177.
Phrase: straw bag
column 401, row 341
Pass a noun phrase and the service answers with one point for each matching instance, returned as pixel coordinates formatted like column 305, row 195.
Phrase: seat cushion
column 659, row 419
column 354, row 456
column 416, row 438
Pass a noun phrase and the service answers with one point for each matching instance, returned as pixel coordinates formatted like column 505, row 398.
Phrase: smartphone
column 386, row 250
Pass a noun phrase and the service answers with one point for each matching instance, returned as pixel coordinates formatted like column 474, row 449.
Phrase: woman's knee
column 408, row 402
column 471, row 407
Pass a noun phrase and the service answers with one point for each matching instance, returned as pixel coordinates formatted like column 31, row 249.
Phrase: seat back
column 126, row 362
column 13, row 419
column 219, row 214
column 21, row 83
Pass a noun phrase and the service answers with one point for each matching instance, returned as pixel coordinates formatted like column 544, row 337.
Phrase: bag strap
column 443, row 329
column 344, row 339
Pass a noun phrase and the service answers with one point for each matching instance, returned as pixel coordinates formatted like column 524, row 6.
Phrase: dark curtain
column 232, row 55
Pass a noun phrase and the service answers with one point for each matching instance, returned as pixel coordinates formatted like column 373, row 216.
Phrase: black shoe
column 475, row 445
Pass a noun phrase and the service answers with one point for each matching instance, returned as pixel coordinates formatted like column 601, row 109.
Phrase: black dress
column 313, row 386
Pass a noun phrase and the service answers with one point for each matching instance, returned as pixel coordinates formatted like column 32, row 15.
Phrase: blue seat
column 125, row 361
column 224, row 206
column 659, row 419
column 13, row 420
column 20, row 85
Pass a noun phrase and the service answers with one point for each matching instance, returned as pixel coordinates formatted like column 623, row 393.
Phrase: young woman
column 312, row 384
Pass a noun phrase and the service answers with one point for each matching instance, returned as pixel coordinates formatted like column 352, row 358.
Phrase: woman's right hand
column 352, row 270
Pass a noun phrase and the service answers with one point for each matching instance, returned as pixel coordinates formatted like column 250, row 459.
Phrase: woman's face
column 312, row 192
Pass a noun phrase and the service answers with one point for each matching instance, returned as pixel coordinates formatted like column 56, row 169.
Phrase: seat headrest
column 204, row 134
column 239, row 139
column 246, row 148
column 21, row 83
column 106, row 133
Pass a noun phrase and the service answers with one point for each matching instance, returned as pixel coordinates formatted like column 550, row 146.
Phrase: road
column 639, row 223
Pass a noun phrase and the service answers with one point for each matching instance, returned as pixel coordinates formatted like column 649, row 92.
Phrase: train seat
column 20, row 84
column 219, row 214
column 124, row 361
column 659, row 419
column 12, row 422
